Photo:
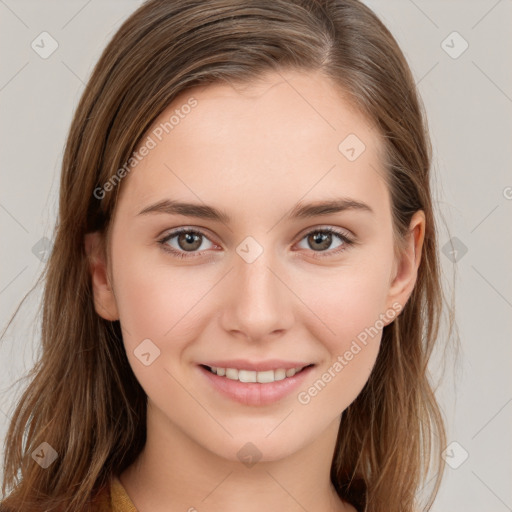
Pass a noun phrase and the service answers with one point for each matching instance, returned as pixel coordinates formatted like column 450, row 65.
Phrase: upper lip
column 258, row 366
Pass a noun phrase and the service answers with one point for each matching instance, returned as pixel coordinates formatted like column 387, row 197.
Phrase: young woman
column 244, row 288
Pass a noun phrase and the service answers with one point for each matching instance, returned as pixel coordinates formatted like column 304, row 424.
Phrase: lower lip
column 255, row 393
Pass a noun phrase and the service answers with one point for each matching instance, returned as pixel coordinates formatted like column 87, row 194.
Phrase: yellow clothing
column 115, row 498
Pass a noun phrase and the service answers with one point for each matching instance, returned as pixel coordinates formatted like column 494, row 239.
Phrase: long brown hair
column 83, row 398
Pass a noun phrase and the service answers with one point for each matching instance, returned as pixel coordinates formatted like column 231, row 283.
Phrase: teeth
column 246, row 376
column 264, row 377
column 279, row 374
column 232, row 373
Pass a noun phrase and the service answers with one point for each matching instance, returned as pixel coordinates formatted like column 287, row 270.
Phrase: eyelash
column 347, row 242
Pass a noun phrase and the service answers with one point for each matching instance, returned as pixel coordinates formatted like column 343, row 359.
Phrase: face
column 259, row 282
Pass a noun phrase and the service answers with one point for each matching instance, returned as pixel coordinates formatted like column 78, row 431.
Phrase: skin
column 268, row 145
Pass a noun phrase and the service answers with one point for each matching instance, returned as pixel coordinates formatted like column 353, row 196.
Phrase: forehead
column 282, row 137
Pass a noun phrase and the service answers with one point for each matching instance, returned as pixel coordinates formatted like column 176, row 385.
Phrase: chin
column 257, row 445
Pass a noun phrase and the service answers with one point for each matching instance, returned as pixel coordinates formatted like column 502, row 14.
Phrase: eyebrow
column 300, row 211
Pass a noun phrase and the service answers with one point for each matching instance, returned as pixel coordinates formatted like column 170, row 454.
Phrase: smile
column 255, row 384
column 263, row 377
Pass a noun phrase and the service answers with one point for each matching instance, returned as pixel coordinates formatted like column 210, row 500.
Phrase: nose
column 259, row 301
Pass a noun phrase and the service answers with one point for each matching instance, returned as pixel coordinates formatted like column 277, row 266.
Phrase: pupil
column 189, row 238
column 322, row 237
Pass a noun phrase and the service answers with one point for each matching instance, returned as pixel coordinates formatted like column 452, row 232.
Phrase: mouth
column 262, row 377
column 255, row 384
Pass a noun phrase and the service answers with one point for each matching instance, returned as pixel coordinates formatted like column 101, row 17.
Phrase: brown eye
column 189, row 241
column 184, row 241
column 320, row 240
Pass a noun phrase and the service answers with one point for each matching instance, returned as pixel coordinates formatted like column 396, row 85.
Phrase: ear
column 405, row 269
column 104, row 300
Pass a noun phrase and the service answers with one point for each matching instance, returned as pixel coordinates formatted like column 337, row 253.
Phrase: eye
column 322, row 238
column 189, row 242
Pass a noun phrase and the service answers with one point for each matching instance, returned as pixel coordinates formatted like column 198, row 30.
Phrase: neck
column 173, row 472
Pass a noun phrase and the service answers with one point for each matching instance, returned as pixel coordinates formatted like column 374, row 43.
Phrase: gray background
column 468, row 98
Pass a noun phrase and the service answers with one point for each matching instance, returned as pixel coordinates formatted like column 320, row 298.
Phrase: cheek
column 160, row 302
column 351, row 346
column 347, row 301
column 349, row 317
column 153, row 300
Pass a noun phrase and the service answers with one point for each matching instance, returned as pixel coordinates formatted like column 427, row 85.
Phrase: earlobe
column 406, row 274
column 104, row 300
